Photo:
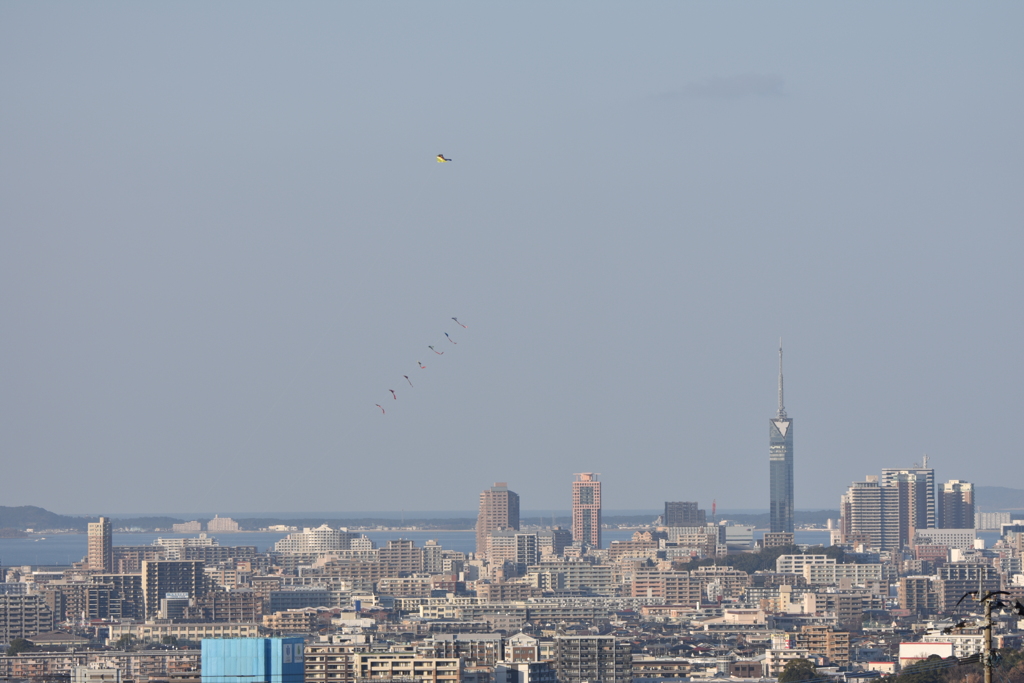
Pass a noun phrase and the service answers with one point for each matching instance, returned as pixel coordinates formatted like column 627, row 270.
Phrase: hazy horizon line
column 408, row 514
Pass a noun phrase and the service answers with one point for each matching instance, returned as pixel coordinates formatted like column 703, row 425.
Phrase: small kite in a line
column 450, row 339
column 422, row 366
column 407, row 379
column 440, row 353
column 457, row 320
column 381, row 408
column 393, row 395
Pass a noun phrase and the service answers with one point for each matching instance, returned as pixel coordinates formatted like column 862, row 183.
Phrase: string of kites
column 422, row 366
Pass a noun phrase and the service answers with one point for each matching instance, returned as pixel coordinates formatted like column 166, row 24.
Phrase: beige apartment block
column 499, row 509
column 100, row 546
column 399, row 665
column 291, row 621
column 406, row 587
column 221, row 524
column 825, row 641
column 329, row 660
column 776, row 660
column 732, row 581
column 674, row 588
column 152, row 631
column 134, row 665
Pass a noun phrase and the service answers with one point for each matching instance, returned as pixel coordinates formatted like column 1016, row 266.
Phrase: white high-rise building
column 322, row 539
column 221, row 524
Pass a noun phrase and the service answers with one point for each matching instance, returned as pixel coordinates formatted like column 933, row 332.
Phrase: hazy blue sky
column 225, row 238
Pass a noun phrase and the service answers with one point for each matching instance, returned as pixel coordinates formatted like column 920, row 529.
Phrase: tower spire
column 782, row 406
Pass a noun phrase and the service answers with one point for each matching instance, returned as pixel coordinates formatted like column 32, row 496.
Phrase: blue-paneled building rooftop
column 253, row 660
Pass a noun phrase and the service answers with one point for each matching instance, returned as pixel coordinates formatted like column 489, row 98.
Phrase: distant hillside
column 31, row 517
column 998, row 499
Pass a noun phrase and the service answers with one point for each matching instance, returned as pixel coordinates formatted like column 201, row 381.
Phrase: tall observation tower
column 780, row 452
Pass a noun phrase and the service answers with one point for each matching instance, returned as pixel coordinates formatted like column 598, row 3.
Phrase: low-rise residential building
column 141, row 663
column 775, row 660
column 963, row 644
column 291, row 621
column 951, row 538
column 794, row 564
column 475, row 649
column 151, row 631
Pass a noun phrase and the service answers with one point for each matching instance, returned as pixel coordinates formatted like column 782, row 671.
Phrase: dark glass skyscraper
column 780, row 452
column 956, row 505
column 683, row 513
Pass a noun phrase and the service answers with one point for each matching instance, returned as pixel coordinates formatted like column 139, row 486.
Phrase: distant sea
column 64, row 549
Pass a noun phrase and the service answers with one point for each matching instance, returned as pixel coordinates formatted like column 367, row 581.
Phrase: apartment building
column 499, row 510
column 22, row 616
column 584, row 659
column 826, row 642
column 406, row 665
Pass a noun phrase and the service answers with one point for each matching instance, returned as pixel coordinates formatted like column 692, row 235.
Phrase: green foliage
column 7, row 532
column 126, row 642
column 764, row 560
column 798, row 670
column 931, row 670
column 32, row 517
column 1008, row 668
column 18, row 645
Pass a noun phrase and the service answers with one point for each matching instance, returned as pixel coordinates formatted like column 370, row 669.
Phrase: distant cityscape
column 902, row 572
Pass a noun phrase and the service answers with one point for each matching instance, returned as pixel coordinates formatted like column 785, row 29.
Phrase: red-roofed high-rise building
column 586, row 509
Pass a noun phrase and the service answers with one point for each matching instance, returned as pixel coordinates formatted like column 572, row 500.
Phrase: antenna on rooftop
column 782, row 406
